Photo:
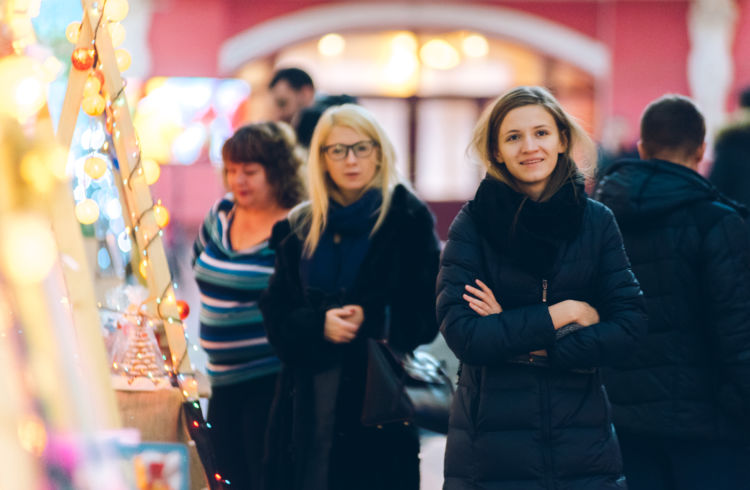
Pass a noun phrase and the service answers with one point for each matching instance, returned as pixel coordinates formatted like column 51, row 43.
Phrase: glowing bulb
column 22, row 86
column 95, row 167
column 93, row 105
column 92, row 86
column 73, row 31
column 161, row 215
column 331, row 45
column 143, row 268
column 87, row 211
column 151, row 170
column 123, row 59
column 116, row 10
column 475, row 46
column 117, row 32
column 83, row 58
column 438, row 54
column 27, row 248
column 183, row 309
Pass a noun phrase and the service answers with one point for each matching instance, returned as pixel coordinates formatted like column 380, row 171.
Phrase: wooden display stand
column 157, row 414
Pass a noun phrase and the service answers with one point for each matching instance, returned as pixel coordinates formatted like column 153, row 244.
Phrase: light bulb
column 93, row 105
column 116, row 10
column 73, row 31
column 161, row 215
column 92, row 86
column 151, row 170
column 123, row 59
column 117, row 32
column 87, row 211
column 95, row 167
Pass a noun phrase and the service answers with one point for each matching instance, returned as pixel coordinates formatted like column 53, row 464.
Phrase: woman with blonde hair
column 358, row 261
column 535, row 293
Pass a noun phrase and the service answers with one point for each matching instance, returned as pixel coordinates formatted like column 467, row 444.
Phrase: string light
column 73, row 31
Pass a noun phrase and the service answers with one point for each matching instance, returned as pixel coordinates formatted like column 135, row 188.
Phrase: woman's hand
column 573, row 311
column 342, row 324
column 483, row 301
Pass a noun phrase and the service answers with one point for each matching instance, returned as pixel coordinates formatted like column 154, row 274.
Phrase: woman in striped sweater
column 232, row 263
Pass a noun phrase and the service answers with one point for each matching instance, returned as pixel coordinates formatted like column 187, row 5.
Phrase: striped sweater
column 230, row 283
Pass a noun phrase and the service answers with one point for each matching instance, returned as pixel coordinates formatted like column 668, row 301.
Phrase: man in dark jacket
column 731, row 171
column 682, row 402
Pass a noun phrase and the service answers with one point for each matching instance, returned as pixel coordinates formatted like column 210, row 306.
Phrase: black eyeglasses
column 339, row 151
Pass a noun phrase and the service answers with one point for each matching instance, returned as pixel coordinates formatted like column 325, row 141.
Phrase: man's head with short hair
column 673, row 129
column 292, row 90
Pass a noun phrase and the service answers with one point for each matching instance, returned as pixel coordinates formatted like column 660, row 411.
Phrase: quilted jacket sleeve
column 474, row 339
column 726, row 276
column 620, row 303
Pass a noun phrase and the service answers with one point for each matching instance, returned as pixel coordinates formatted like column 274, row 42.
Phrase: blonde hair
column 485, row 138
column 321, row 187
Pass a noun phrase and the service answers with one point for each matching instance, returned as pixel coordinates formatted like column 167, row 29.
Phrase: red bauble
column 83, row 58
column 183, row 309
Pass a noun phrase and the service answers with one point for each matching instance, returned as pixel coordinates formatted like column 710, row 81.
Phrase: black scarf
column 532, row 237
column 343, row 244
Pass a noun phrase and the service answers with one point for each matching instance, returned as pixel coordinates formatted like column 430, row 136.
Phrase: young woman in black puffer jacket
column 535, row 292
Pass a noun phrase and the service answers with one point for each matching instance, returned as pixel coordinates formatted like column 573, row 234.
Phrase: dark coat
column 690, row 251
column 514, row 424
column 322, row 383
column 731, row 170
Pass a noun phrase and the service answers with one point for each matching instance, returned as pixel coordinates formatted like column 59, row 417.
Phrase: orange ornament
column 83, row 58
column 99, row 75
column 183, row 308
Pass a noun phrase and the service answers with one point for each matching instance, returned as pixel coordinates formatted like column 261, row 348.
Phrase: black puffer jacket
column 321, row 385
column 516, row 425
column 690, row 251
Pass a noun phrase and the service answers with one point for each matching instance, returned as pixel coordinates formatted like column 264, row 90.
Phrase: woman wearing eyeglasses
column 362, row 253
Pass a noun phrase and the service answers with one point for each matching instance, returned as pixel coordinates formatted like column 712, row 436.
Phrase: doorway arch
column 547, row 37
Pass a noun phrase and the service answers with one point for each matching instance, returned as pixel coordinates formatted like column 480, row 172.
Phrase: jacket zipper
column 544, row 290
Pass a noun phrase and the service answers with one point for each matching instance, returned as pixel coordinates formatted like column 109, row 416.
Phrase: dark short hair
column 673, row 123
column 295, row 77
column 745, row 98
column 273, row 145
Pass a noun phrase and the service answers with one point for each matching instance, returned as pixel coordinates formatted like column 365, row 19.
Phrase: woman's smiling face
column 529, row 144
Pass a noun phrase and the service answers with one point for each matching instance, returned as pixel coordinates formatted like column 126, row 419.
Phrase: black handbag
column 407, row 388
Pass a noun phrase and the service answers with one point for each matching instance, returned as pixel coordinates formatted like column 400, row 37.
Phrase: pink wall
column 649, row 46
column 741, row 51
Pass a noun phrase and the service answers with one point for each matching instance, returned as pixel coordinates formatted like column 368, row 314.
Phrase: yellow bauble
column 87, row 211
column 162, row 215
column 116, row 10
column 73, row 31
column 27, row 248
column 94, row 167
column 93, row 105
column 151, row 171
column 117, row 33
column 123, row 59
column 92, row 86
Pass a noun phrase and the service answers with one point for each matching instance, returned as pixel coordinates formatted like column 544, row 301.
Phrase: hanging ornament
column 97, row 73
column 92, row 86
column 151, row 171
column 87, row 211
column 95, row 167
column 83, row 58
column 116, row 10
column 117, row 33
column 73, row 31
column 123, row 59
column 93, row 105
column 183, row 309
column 161, row 215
